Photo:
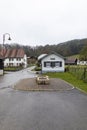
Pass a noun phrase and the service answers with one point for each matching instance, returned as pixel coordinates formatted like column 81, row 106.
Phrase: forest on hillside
column 65, row 49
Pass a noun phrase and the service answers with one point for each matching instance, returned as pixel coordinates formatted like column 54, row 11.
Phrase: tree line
column 65, row 49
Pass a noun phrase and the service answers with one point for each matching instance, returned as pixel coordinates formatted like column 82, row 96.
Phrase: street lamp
column 4, row 35
column 9, row 38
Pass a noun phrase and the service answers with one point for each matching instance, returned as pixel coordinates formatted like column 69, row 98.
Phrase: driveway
column 24, row 110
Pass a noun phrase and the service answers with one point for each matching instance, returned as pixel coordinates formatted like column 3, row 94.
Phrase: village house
column 52, row 62
column 14, row 57
column 81, row 62
column 31, row 60
column 71, row 61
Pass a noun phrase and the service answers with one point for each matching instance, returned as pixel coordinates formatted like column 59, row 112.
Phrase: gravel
column 30, row 84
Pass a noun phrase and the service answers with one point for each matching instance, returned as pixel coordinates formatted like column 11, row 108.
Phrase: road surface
column 12, row 77
column 24, row 110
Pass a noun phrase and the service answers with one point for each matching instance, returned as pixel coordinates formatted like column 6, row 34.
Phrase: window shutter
column 44, row 64
column 60, row 64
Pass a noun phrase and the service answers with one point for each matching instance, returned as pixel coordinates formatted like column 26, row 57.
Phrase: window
column 17, row 64
column 47, row 64
column 53, row 64
column 52, row 58
column 10, row 64
column 18, row 59
column 11, row 59
column 57, row 64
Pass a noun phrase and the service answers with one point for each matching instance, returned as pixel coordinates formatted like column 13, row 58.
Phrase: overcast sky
column 40, row 22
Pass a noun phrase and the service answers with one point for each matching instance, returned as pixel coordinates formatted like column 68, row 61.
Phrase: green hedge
column 12, row 68
column 80, row 72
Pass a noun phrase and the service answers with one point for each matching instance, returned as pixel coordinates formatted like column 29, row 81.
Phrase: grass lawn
column 71, row 79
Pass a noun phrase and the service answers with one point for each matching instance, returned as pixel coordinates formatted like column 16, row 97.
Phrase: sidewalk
column 31, row 85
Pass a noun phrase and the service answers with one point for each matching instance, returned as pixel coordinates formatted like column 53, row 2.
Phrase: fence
column 79, row 72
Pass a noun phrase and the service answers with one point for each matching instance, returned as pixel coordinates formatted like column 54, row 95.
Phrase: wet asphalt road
column 12, row 77
column 66, row 110
column 62, row 110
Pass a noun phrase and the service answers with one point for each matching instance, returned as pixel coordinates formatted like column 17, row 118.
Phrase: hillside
column 68, row 48
column 73, row 56
column 72, row 47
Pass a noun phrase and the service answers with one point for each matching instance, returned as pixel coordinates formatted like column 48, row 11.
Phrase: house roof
column 51, row 54
column 41, row 56
column 69, row 61
column 1, row 56
column 11, row 53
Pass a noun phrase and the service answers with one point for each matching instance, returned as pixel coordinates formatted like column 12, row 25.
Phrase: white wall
column 25, row 61
column 81, row 62
column 54, row 69
column 16, row 62
column 1, row 72
column 6, row 61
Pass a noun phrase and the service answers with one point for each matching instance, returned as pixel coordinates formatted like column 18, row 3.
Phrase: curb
column 44, row 89
column 81, row 90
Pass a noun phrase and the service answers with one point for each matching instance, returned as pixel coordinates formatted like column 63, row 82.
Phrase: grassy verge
column 71, row 79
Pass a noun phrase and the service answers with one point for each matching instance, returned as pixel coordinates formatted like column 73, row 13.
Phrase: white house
column 81, row 62
column 52, row 62
column 14, row 57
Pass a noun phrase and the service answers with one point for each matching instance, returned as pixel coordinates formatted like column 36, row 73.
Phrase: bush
column 12, row 68
column 37, row 68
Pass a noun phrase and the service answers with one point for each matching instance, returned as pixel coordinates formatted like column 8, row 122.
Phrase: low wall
column 1, row 72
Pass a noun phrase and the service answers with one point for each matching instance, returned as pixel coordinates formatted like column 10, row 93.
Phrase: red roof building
column 14, row 57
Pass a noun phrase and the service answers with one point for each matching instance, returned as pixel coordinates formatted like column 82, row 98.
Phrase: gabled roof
column 41, row 56
column 1, row 54
column 7, row 53
column 20, row 53
column 51, row 54
column 71, row 60
column 1, row 57
column 12, row 53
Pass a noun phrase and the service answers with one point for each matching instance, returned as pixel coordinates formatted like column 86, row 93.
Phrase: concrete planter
column 42, row 80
